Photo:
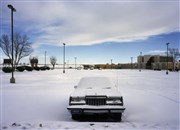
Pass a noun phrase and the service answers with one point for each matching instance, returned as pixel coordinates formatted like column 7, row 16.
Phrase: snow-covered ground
column 39, row 100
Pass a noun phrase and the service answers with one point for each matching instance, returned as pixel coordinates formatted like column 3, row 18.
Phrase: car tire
column 75, row 116
column 117, row 116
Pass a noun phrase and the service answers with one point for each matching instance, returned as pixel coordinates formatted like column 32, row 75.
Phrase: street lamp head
column 167, row 43
column 12, row 8
column 64, row 44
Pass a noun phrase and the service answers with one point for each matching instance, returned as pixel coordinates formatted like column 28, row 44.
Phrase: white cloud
column 157, row 52
column 85, row 23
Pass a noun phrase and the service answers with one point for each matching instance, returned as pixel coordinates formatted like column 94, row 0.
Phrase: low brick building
column 155, row 62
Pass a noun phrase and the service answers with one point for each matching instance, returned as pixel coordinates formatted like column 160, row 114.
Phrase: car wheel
column 75, row 117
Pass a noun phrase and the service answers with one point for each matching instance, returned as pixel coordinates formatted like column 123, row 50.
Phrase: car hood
column 96, row 92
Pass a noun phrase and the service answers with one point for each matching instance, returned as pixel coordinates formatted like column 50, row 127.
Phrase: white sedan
column 96, row 95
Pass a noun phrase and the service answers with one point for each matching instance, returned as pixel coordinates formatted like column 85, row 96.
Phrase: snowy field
column 39, row 100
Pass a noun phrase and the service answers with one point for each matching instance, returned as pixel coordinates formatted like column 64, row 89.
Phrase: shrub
column 47, row 67
column 28, row 68
column 170, row 70
column 176, row 69
column 20, row 68
column 7, row 69
column 43, row 68
column 37, row 68
column 158, row 69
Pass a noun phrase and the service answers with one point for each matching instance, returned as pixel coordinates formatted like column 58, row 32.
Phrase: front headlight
column 77, row 101
column 114, row 101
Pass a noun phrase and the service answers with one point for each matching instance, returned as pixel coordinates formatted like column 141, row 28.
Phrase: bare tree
column 53, row 61
column 175, row 53
column 22, row 47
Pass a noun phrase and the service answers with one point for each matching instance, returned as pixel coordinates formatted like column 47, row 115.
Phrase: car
column 96, row 95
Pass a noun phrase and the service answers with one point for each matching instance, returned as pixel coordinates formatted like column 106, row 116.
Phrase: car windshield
column 95, row 82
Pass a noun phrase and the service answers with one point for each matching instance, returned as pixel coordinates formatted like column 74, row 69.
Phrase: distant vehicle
column 96, row 95
column 86, row 68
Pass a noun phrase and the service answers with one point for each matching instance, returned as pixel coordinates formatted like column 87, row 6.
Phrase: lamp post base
column 167, row 72
column 12, row 80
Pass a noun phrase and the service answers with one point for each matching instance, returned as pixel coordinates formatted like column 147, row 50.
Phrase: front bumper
column 86, row 109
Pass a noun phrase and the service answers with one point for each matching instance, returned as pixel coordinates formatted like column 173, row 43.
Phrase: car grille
column 96, row 100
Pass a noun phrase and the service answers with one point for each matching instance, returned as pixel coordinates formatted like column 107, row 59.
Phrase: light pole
column 64, row 58
column 167, row 59
column 140, row 61
column 45, row 58
column 75, row 61
column 67, row 64
column 131, row 62
column 12, row 80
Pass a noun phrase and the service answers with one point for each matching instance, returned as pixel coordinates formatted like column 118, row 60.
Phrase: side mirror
column 75, row 86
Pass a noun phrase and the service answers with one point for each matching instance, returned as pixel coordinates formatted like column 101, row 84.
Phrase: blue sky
column 95, row 31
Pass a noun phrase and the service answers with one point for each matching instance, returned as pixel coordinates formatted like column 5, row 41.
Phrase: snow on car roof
column 95, row 82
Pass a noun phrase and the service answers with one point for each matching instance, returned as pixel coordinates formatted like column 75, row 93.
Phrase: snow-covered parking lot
column 39, row 99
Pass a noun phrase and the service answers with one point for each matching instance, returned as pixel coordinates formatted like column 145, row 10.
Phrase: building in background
column 155, row 62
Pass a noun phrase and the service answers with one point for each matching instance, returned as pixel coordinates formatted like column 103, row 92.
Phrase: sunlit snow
column 39, row 99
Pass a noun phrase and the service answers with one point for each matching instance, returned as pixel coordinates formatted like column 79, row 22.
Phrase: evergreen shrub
column 20, row 68
column 7, row 69
column 37, row 68
column 28, row 68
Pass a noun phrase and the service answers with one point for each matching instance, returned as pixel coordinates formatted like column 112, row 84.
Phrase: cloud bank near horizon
column 87, row 23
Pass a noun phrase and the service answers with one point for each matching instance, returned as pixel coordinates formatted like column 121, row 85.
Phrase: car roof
column 95, row 82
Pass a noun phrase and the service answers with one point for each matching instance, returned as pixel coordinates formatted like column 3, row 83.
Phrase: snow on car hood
column 92, row 86
column 96, row 92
